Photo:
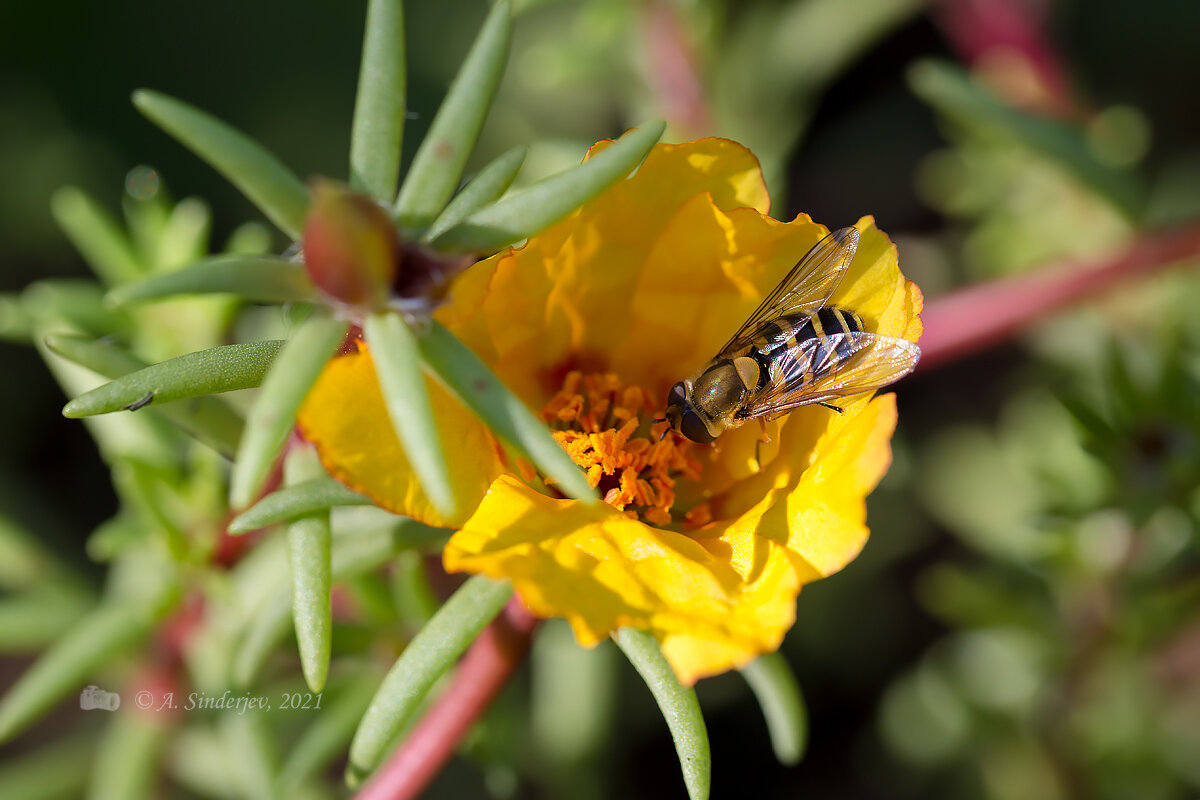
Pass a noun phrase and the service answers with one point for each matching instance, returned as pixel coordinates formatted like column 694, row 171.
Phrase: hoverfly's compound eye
column 678, row 395
column 691, row 426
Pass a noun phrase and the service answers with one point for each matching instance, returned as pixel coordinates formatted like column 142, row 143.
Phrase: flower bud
column 351, row 249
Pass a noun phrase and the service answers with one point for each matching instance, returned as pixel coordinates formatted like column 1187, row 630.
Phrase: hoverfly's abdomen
column 786, row 333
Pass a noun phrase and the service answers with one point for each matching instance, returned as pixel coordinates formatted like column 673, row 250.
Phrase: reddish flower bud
column 351, row 249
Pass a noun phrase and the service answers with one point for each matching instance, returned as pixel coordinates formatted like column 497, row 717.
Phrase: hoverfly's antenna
column 665, row 430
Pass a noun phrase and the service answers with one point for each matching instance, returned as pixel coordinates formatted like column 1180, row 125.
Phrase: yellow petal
column 562, row 301
column 345, row 417
column 602, row 570
column 811, row 498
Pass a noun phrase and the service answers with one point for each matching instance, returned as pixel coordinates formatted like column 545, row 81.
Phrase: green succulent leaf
column 398, row 367
column 100, row 636
column 484, row 189
column 461, row 371
column 430, row 654
column 309, row 547
column 208, row 419
column 76, row 304
column 771, row 679
column 378, row 127
column 953, row 93
column 284, row 387
column 678, row 705
column 96, row 235
column 58, row 769
column 438, row 165
column 127, row 762
column 259, row 279
column 325, row 740
column 218, row 369
column 245, row 163
column 291, row 502
column 536, row 207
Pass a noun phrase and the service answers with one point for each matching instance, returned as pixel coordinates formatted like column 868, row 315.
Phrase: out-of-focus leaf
column 64, row 669
column 678, row 705
column 461, row 371
column 296, row 501
column 16, row 324
column 484, row 189
column 438, row 165
column 309, row 557
column 353, row 553
column 245, row 163
column 951, row 91
column 249, row 752
column 260, row 279
column 218, row 369
column 126, row 764
column 379, row 106
column 536, row 207
column 325, row 739
column 778, row 693
column 96, row 235
column 284, row 386
column 398, row 367
column 430, row 654
column 58, row 770
column 71, row 304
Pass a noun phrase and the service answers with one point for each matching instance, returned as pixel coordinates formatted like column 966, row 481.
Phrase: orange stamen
column 604, row 425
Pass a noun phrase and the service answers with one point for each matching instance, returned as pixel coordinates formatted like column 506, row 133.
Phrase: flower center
column 606, row 427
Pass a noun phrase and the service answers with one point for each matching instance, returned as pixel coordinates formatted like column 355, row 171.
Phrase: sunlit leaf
column 398, row 367
column 208, row 419
column 309, row 544
column 218, row 369
column 430, row 654
column 296, row 501
column 260, row 279
column 464, row 374
column 379, row 106
column 438, row 165
column 245, row 163
column 525, row 212
column 284, row 386
column 484, row 189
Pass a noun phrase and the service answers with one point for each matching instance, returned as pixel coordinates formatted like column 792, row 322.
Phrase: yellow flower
column 592, row 321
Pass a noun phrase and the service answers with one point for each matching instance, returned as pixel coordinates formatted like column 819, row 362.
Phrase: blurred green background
column 1025, row 622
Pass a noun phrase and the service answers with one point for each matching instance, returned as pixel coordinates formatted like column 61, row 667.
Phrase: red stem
column 482, row 673
column 981, row 316
column 983, row 31
column 672, row 71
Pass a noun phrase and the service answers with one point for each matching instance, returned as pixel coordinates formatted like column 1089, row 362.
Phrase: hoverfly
column 793, row 351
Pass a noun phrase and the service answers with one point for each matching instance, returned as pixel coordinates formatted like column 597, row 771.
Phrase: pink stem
column 981, row 316
column 980, row 30
column 482, row 673
column 672, row 71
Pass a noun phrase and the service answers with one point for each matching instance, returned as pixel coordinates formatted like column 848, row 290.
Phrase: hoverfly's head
column 683, row 417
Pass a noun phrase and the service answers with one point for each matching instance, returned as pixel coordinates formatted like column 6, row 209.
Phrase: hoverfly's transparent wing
column 839, row 365
column 805, row 289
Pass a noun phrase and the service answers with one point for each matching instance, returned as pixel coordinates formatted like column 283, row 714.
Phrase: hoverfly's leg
column 832, row 407
column 766, row 437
